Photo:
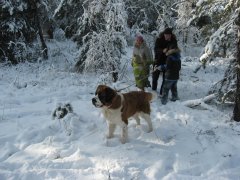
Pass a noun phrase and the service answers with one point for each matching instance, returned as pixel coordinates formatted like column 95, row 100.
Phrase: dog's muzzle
column 96, row 102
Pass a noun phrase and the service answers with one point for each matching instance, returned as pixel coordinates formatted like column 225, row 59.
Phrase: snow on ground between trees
column 187, row 143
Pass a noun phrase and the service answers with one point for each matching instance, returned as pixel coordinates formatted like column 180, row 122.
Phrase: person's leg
column 163, row 80
column 174, row 91
column 165, row 91
column 155, row 76
column 148, row 84
column 137, row 74
column 115, row 76
column 142, row 80
column 144, row 76
column 147, row 71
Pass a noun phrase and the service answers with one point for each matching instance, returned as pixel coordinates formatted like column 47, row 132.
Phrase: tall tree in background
column 17, row 31
column 188, row 36
column 143, row 15
column 36, row 14
column 151, row 16
column 216, row 21
column 67, row 15
column 103, row 25
column 19, row 22
column 236, row 111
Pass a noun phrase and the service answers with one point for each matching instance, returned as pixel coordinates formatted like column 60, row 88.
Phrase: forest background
column 54, row 52
column 103, row 29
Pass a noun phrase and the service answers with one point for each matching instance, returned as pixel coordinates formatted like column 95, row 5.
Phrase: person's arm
column 168, row 63
column 148, row 57
column 158, row 49
column 158, row 52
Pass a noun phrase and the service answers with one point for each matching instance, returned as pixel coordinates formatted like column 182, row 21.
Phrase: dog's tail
column 151, row 96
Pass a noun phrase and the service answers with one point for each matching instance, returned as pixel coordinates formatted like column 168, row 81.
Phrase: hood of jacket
column 173, row 51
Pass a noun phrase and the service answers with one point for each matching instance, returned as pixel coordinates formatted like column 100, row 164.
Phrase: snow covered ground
column 187, row 143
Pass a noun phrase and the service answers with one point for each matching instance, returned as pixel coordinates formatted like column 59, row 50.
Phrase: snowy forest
column 54, row 53
column 104, row 29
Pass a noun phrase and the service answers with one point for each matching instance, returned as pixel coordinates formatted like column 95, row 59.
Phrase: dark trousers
column 155, row 77
column 169, row 85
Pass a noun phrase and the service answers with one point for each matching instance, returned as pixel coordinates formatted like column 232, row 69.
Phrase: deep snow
column 187, row 143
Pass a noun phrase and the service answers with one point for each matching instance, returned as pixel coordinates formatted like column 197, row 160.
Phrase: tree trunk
column 40, row 33
column 236, row 111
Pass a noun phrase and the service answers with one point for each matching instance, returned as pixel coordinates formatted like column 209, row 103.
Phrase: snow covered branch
column 200, row 102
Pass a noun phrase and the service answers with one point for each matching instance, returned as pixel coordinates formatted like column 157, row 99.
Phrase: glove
column 165, row 50
column 157, row 68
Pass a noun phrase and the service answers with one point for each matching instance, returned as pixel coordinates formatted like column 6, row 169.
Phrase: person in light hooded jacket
column 141, row 61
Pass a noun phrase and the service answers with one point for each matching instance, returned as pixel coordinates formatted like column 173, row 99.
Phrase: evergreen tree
column 103, row 31
column 188, row 36
column 236, row 111
column 216, row 21
column 19, row 22
column 67, row 15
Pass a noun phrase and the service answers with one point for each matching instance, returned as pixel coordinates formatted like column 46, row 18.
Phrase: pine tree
column 36, row 14
column 236, row 111
column 67, row 15
column 216, row 21
column 188, row 36
column 103, row 32
column 19, row 22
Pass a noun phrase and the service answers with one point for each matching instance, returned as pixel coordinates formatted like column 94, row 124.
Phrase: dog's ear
column 58, row 108
column 107, row 95
column 69, row 107
column 54, row 115
column 99, row 88
column 110, row 92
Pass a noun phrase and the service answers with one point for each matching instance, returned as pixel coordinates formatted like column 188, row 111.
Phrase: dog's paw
column 123, row 140
column 150, row 130
column 138, row 126
column 109, row 136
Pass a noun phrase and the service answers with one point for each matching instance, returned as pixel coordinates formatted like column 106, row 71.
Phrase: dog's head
column 62, row 110
column 104, row 96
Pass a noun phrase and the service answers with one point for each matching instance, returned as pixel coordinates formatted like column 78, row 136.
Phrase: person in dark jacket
column 162, row 42
column 171, row 68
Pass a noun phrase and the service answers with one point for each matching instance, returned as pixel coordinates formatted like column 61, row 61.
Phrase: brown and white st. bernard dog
column 118, row 108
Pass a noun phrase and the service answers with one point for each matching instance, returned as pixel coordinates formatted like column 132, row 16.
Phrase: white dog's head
column 62, row 110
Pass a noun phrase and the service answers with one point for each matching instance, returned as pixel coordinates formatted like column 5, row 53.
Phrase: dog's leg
column 111, row 129
column 149, row 122
column 124, row 135
column 136, row 117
